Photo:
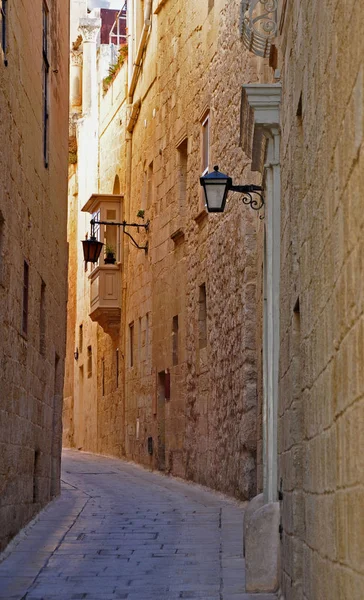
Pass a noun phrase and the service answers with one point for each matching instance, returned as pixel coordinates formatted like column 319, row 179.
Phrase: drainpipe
column 141, row 48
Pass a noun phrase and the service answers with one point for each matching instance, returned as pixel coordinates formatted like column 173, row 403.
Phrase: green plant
column 141, row 214
column 109, row 249
column 114, row 69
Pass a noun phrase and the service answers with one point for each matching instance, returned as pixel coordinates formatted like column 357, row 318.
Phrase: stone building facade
column 33, row 254
column 173, row 379
column 321, row 411
column 312, row 116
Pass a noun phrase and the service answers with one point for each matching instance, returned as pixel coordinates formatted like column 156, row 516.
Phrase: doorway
column 163, row 396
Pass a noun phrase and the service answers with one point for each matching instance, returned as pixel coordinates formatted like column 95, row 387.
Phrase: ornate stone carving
column 89, row 29
column 259, row 25
column 76, row 58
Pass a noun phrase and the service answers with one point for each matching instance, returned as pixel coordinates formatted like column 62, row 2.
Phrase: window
column 89, row 361
column 3, row 16
column 103, row 376
column 117, row 34
column 36, row 470
column 147, row 336
column 182, row 174
column 205, row 144
column 24, row 327
column 140, row 340
column 150, row 191
column 2, row 227
column 80, row 338
column 42, row 320
column 45, row 83
column 202, row 317
column 175, row 340
column 131, row 344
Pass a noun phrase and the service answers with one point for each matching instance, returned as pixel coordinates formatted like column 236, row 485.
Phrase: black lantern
column 216, row 186
column 91, row 249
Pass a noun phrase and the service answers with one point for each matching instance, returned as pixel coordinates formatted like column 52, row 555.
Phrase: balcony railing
column 259, row 25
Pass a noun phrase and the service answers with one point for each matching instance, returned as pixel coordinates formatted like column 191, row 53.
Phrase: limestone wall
column 202, row 425
column 208, row 426
column 321, row 375
column 33, row 216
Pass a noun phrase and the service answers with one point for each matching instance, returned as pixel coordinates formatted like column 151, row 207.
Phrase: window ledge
column 201, row 217
column 178, row 236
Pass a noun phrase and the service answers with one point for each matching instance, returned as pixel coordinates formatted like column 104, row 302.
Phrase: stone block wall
column 33, row 216
column 206, row 430
column 321, row 383
column 185, row 396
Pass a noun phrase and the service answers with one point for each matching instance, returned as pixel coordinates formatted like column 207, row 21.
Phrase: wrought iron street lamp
column 92, row 247
column 217, row 185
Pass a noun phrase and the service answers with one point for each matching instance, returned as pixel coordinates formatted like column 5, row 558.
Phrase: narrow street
column 120, row 532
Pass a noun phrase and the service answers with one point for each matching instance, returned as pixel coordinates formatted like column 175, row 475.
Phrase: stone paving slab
column 121, row 532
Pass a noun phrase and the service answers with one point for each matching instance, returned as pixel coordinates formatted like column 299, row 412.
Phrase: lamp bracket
column 247, row 191
column 122, row 224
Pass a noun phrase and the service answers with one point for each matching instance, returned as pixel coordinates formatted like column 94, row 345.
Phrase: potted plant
column 109, row 255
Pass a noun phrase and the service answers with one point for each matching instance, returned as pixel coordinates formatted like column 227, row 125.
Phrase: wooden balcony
column 106, row 296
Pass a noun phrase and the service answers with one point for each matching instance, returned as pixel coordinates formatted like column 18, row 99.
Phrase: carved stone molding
column 89, row 29
column 76, row 58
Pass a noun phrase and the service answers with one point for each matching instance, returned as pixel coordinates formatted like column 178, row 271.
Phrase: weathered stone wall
column 206, row 429
column 209, row 422
column 33, row 216
column 321, row 376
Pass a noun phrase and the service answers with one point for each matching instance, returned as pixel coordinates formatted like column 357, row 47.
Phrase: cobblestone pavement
column 118, row 531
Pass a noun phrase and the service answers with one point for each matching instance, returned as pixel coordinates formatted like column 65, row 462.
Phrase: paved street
column 119, row 531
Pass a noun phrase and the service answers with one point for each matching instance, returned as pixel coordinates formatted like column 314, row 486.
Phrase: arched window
column 116, row 188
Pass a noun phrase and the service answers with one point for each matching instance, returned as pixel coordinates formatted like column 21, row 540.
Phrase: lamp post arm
column 246, row 189
column 122, row 224
column 135, row 243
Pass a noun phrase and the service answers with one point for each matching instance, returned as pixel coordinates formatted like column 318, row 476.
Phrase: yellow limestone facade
column 170, row 380
column 235, row 357
column 321, row 411
column 312, row 118
column 33, row 255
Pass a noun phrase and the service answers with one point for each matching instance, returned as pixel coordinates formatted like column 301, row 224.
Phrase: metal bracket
column 123, row 224
column 247, row 191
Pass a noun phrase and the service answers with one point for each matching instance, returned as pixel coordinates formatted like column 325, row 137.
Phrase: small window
column 80, row 338
column 25, row 298
column 89, row 361
column 202, row 317
column 2, row 228
column 131, row 344
column 182, row 174
column 175, row 340
column 3, row 17
column 150, row 186
column 140, row 340
column 103, row 377
column 117, row 367
column 205, row 144
column 42, row 320
column 147, row 336
column 45, row 82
